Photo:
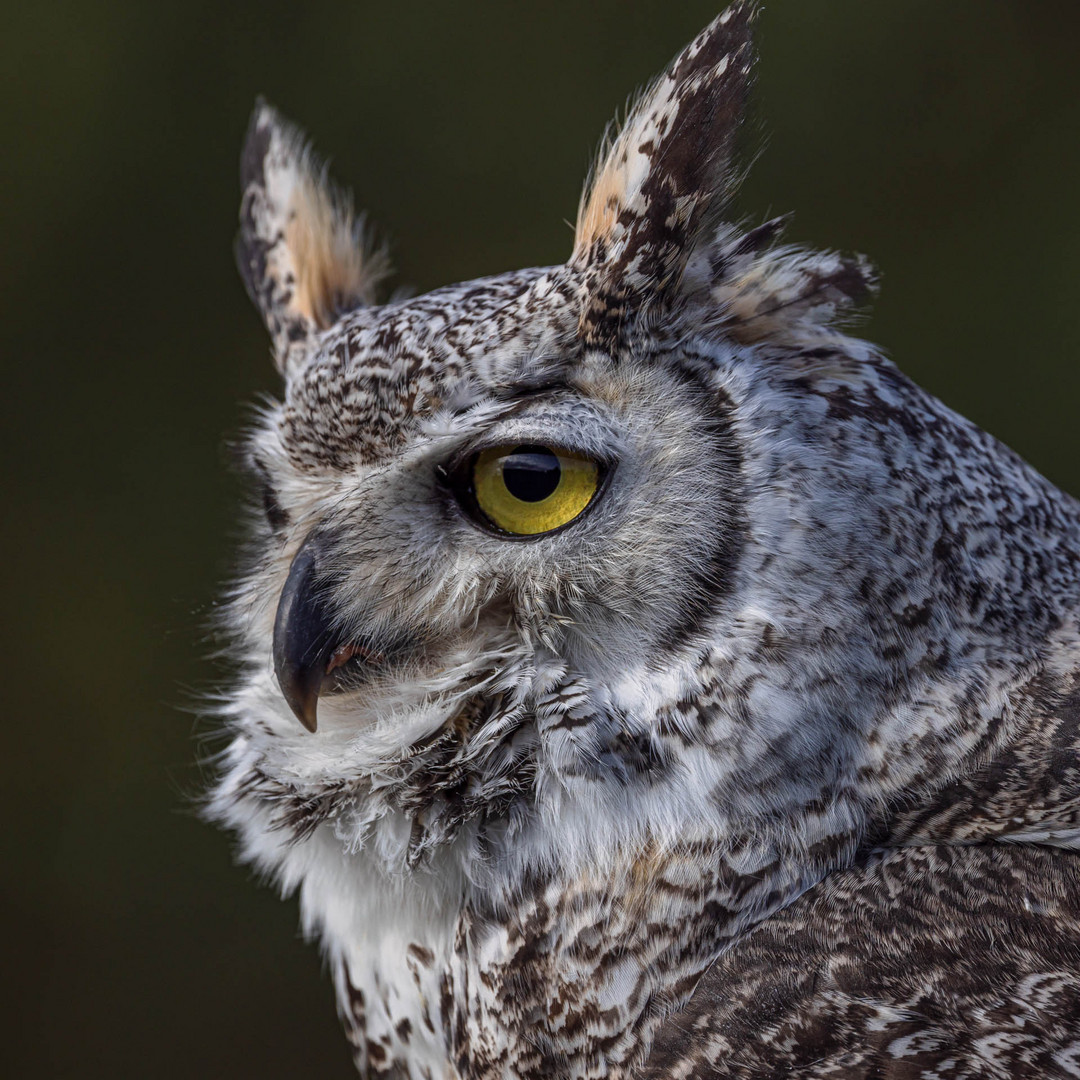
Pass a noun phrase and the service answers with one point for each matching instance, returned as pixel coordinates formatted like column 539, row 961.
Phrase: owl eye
column 528, row 489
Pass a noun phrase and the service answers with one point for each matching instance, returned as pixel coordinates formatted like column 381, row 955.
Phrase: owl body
column 641, row 676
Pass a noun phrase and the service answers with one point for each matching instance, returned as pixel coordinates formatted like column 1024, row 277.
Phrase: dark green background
column 938, row 136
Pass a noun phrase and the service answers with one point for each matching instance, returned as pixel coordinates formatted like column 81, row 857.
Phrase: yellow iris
column 526, row 490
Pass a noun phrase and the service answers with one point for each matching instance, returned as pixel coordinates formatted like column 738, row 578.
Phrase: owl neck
column 557, row 950
column 538, row 951
column 563, row 946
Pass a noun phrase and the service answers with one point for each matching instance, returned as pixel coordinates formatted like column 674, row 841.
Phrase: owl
column 639, row 676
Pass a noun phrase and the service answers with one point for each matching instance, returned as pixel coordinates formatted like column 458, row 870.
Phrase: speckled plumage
column 766, row 765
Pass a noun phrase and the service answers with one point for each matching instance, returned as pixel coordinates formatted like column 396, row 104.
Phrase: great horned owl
column 642, row 677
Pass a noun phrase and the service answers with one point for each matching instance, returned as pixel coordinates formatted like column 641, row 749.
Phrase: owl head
column 631, row 542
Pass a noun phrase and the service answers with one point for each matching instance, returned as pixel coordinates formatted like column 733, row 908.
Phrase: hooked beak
column 305, row 642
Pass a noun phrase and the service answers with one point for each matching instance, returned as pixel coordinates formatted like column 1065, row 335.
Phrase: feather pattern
column 765, row 763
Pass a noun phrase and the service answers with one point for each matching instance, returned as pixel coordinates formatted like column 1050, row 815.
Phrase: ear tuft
column 302, row 251
column 664, row 177
column 785, row 295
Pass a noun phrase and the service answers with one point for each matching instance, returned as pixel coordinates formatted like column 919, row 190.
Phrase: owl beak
column 304, row 638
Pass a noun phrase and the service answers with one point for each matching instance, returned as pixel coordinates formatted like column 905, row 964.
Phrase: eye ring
column 524, row 491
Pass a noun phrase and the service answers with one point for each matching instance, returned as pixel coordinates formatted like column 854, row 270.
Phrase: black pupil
column 531, row 473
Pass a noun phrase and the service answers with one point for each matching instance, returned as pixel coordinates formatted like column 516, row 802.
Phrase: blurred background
column 939, row 138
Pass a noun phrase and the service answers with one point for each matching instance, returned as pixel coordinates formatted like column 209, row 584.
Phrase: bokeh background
column 939, row 137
